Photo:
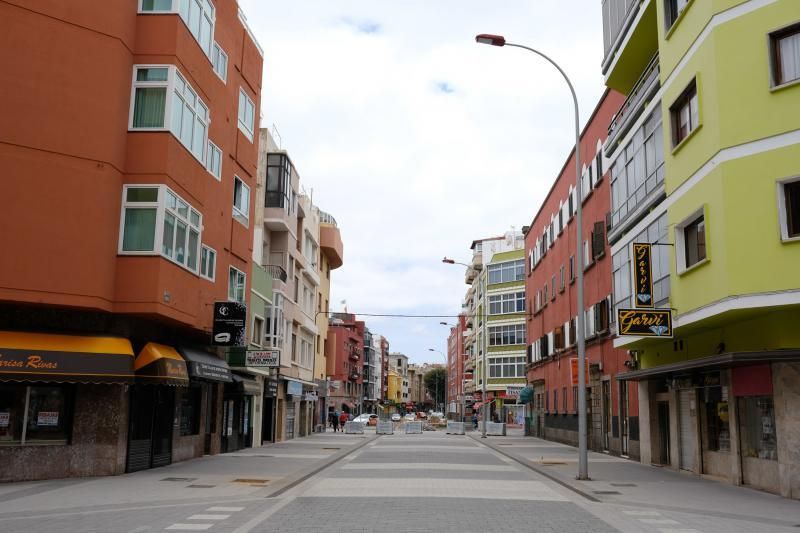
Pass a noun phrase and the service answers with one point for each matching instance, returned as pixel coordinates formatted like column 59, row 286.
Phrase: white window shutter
column 550, row 345
column 566, row 334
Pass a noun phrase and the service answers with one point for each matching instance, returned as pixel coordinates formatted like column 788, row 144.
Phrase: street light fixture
column 583, row 465
column 454, row 262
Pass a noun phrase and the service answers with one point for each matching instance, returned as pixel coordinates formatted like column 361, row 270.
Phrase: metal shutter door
column 686, row 437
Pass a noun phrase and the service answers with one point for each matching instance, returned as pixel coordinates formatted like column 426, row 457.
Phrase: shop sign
column 310, row 397
column 644, row 323
column 270, row 388
column 263, row 358
column 573, row 368
column 199, row 369
column 513, row 392
column 295, row 388
column 642, row 275
column 230, row 319
column 47, row 418
column 5, row 419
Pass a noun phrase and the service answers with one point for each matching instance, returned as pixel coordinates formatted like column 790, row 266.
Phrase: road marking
column 209, row 517
column 679, row 531
column 190, row 527
column 642, row 513
column 661, row 521
column 430, row 466
column 226, row 509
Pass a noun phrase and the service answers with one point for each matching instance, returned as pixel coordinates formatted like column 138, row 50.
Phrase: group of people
column 337, row 419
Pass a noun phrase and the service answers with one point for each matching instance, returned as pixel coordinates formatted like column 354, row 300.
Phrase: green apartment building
column 705, row 165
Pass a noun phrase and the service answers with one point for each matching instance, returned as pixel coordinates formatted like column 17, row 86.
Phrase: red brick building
column 344, row 348
column 455, row 369
column 129, row 149
column 550, row 246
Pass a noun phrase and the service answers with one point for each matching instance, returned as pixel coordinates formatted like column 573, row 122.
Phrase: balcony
column 278, row 266
column 470, row 276
column 354, row 355
column 330, row 241
column 477, row 260
column 630, row 36
column 646, row 87
column 277, row 211
column 354, row 376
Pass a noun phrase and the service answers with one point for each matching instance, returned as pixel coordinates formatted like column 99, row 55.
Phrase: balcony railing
column 325, row 218
column 354, row 376
column 276, row 199
column 277, row 272
column 617, row 15
column 647, row 85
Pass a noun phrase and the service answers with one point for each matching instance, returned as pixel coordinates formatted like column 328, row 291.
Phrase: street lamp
column 454, row 262
column 437, row 380
column 583, row 466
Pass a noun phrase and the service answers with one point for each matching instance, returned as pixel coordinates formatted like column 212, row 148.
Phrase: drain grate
column 200, row 486
column 179, row 479
column 623, row 484
column 606, row 492
column 251, row 481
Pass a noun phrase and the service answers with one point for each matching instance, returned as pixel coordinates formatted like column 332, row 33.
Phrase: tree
column 436, row 385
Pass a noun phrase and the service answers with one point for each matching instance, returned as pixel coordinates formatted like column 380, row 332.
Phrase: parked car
column 409, row 417
column 396, row 417
column 421, row 415
column 367, row 419
column 437, row 414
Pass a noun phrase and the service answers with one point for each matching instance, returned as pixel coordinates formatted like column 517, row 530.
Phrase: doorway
column 150, row 427
column 662, row 457
column 606, row 395
column 686, row 438
column 268, row 421
column 623, row 417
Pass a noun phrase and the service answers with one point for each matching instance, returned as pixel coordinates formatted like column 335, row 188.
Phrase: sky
column 418, row 140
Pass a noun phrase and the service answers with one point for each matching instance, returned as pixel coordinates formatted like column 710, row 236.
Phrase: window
column 571, row 268
column 257, row 334
column 190, row 410
column 544, row 295
column 547, row 401
column 247, row 111
column 561, row 283
column 219, row 60
column 785, row 46
column 155, row 6
column 572, row 331
column 241, row 198
column 685, row 115
column 208, row 262
column 757, row 427
column 598, row 160
column 507, row 367
column 184, row 114
column 601, row 316
column 179, row 235
column 673, row 9
column 575, row 398
column 564, row 399
column 199, row 17
column 508, row 271
column 558, row 338
column 789, row 208
column 214, row 160
column 507, row 335
column 717, row 435
column 553, row 288
column 555, row 400
column 506, row 303
column 598, row 239
column 47, row 419
column 694, row 240
column 236, row 283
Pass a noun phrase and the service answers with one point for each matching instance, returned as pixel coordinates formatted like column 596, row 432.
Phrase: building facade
column 455, row 370
column 399, row 362
column 159, row 231
column 345, row 350
column 704, row 166
column 551, row 245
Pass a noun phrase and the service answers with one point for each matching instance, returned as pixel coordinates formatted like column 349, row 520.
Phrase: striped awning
column 64, row 358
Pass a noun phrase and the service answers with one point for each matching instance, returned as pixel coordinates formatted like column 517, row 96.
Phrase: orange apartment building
column 550, row 245
column 129, row 152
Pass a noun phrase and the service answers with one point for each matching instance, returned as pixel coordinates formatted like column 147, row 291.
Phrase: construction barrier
column 455, row 428
column 413, row 427
column 385, row 427
column 496, row 429
column 353, row 428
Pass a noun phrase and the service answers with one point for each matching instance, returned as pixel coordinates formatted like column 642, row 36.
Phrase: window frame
column 175, row 9
column 244, row 284
column 672, row 15
column 247, row 132
column 680, row 241
column 684, row 101
column 216, row 53
column 238, row 210
column 204, row 275
column 210, row 148
column 773, row 38
column 261, row 338
column 783, row 215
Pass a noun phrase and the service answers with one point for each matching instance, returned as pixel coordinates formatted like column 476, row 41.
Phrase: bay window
column 507, row 367
column 198, row 15
column 155, row 220
column 508, row 271
column 507, row 335
column 184, row 113
column 507, row 303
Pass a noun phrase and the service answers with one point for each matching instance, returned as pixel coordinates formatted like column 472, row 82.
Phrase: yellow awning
column 161, row 364
column 46, row 357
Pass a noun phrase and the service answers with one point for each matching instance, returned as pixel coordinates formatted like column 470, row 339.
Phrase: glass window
column 505, row 272
column 791, row 205
column 673, row 10
column 786, row 55
column 208, row 262
column 684, row 113
column 190, row 398
column 12, row 407
column 199, row 16
column 214, row 160
column 715, row 416
column 695, row 242
column 48, row 415
column 219, row 60
column 190, row 117
column 156, row 5
column 246, row 114
column 757, row 427
column 236, row 283
column 241, row 198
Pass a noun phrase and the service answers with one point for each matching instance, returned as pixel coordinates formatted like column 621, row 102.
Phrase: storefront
column 238, row 405
column 66, row 396
column 269, row 408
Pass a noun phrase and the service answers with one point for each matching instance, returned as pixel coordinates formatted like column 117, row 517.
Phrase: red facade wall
column 344, row 339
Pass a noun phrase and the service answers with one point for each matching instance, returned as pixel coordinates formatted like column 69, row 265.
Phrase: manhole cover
column 201, row 486
column 606, row 492
column 179, row 479
column 622, row 484
column 245, row 480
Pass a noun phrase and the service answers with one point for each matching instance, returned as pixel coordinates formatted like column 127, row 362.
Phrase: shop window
column 718, row 435
column 190, row 401
column 757, row 427
column 47, row 419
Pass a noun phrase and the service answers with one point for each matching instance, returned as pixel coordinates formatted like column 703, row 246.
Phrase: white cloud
column 410, row 171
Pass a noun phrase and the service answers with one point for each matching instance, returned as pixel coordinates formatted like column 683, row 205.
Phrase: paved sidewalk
column 628, row 483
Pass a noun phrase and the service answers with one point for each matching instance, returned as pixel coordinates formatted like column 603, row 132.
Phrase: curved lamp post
column 583, row 466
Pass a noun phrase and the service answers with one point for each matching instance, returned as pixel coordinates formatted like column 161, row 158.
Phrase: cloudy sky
column 416, row 139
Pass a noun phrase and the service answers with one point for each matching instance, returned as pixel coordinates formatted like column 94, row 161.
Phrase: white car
column 437, row 414
column 409, row 417
column 365, row 418
column 396, row 417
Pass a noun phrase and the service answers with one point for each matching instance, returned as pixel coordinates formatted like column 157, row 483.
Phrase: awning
column 714, row 362
column 246, row 384
column 64, row 358
column 203, row 365
column 161, row 364
column 526, row 395
column 477, row 405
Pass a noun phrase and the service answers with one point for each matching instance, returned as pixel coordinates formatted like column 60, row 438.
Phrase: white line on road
column 429, row 466
column 209, row 517
column 659, row 521
column 190, row 527
column 679, row 531
column 642, row 513
column 226, row 509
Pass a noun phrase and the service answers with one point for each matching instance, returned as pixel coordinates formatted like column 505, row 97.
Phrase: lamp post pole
column 583, row 465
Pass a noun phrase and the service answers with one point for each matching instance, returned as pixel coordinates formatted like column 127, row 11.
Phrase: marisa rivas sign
column 644, row 322
column 642, row 275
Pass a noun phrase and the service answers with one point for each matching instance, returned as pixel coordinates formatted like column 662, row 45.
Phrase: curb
column 539, row 471
column 295, row 480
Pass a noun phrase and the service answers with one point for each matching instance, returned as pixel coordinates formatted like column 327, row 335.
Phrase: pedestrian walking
column 335, row 423
column 343, row 419
column 474, row 420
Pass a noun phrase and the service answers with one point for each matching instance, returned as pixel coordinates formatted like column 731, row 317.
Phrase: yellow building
column 395, row 384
